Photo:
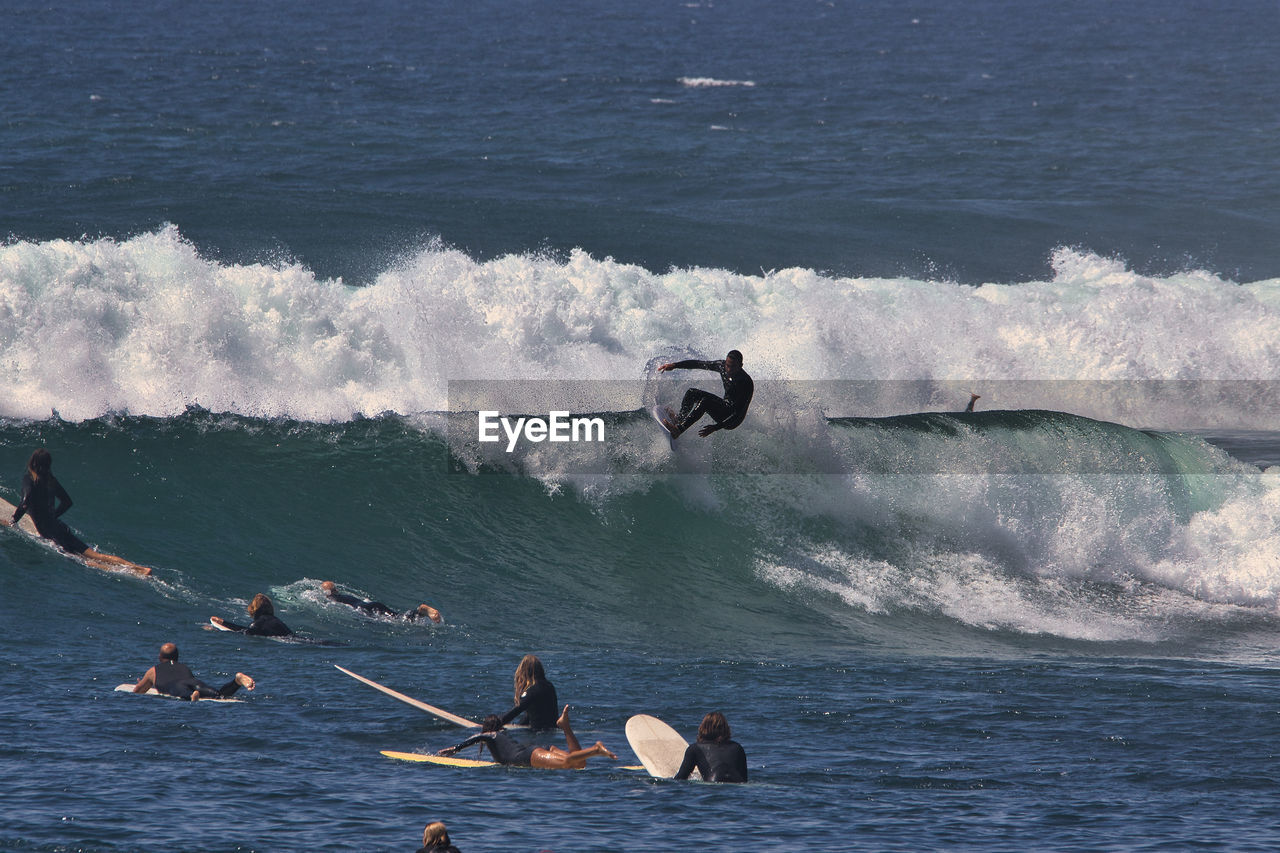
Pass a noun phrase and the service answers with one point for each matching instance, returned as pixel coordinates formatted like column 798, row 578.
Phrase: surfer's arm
column 64, row 499
column 474, row 739
column 520, row 708
column 146, row 682
column 692, row 364
column 230, row 626
column 690, row 761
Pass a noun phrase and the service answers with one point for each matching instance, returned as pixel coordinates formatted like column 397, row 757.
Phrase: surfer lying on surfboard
column 40, row 490
column 176, row 679
column 377, row 608
column 265, row 622
column 727, row 411
column 507, row 750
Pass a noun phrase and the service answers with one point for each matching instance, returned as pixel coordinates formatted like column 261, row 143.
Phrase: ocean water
column 263, row 265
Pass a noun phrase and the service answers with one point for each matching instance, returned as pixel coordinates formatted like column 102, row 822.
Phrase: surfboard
column 128, row 688
column 218, row 627
column 659, row 747
column 417, row 703
column 25, row 524
column 446, row 760
column 659, row 412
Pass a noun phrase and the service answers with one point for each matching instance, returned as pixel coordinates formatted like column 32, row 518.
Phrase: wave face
column 1009, row 527
column 148, row 326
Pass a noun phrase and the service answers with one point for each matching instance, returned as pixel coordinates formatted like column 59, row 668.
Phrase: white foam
column 147, row 326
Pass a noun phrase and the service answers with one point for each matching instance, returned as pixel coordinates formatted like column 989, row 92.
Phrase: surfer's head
column 529, row 671
column 169, row 651
column 714, row 728
column 261, row 606
column 491, row 723
column 328, row 587
column 435, row 835
column 733, row 361
column 40, row 463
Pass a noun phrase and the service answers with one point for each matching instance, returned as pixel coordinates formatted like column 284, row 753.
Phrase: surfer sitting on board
column 727, row 411
column 265, row 622
column 377, row 608
column 535, row 696
column 40, row 489
column 507, row 750
column 176, row 679
column 717, row 757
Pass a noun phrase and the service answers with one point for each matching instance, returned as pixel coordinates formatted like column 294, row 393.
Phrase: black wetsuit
column 262, row 626
column 717, row 761
column 439, row 848
column 38, row 501
column 371, row 608
column 727, row 411
column 539, row 705
column 176, row 679
column 503, row 747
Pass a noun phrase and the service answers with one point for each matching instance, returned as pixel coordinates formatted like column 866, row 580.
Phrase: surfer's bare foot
column 430, row 612
column 245, row 681
column 601, row 749
column 563, row 722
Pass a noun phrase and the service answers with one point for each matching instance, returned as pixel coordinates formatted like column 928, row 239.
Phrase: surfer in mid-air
column 176, row 679
column 40, row 491
column 507, row 750
column 727, row 411
column 377, row 608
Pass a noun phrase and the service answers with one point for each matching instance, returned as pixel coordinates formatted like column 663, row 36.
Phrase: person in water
column 265, row 622
column 435, row 839
column 973, row 398
column 535, row 696
column 717, row 757
column 40, row 492
column 377, row 608
column 507, row 750
column 176, row 679
column 727, row 411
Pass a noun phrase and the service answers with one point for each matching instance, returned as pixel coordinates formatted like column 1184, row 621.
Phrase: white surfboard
column 218, row 627
column 659, row 412
column 151, row 691
column 417, row 703
column 659, row 747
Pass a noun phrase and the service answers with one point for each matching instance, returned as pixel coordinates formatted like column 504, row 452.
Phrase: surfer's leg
column 229, row 689
column 692, row 407
column 111, row 561
column 557, row 759
column 424, row 611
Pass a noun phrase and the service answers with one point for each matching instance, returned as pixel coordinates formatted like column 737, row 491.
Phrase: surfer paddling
column 265, row 622
column 377, row 608
column 717, row 757
column 176, row 679
column 507, row 750
column 727, row 411
column 40, row 491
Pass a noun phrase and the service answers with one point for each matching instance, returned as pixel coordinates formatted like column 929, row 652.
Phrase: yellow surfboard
column 447, row 760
